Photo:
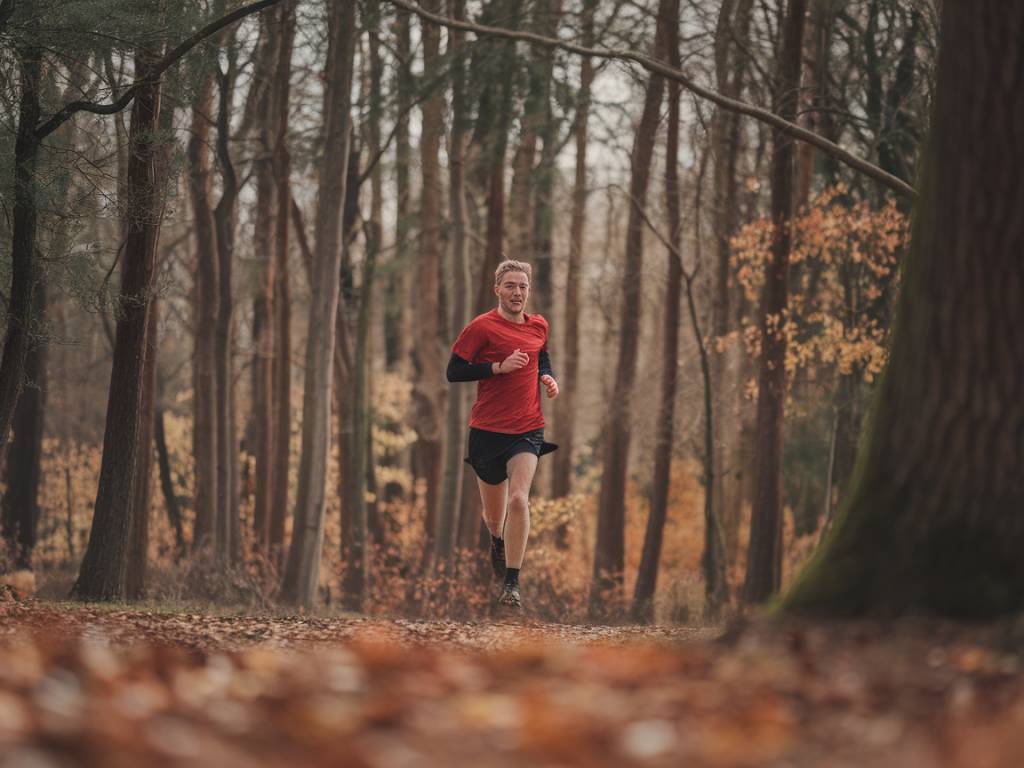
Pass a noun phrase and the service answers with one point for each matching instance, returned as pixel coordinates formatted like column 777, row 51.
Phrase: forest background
column 241, row 295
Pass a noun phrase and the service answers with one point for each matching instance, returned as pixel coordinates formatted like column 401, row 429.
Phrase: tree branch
column 159, row 68
column 654, row 66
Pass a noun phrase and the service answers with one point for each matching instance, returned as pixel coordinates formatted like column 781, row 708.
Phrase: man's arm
column 547, row 376
column 463, row 370
column 544, row 364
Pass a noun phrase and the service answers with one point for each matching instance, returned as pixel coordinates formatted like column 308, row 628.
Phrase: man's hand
column 512, row 363
column 550, row 385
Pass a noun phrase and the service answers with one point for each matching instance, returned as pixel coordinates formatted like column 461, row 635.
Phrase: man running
column 505, row 351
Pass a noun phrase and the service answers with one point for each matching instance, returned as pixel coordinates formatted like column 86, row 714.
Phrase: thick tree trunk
column 565, row 405
column 20, row 507
column 302, row 573
column 282, row 382
column 23, row 242
column 205, row 298
column 647, row 576
column 609, row 554
column 138, row 537
column 428, row 390
column 104, row 567
column 932, row 523
column 764, row 555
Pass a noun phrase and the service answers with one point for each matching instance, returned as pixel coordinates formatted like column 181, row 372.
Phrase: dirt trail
column 86, row 686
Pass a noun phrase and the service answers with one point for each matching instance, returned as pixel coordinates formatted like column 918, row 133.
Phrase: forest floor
column 115, row 686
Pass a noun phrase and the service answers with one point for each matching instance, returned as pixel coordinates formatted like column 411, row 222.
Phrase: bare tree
column 764, row 556
column 647, row 576
column 609, row 553
column 103, row 571
column 302, row 572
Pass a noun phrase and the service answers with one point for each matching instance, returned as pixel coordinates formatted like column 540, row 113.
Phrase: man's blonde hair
column 511, row 265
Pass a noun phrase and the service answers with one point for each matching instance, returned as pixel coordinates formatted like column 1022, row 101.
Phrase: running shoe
column 498, row 558
column 510, row 597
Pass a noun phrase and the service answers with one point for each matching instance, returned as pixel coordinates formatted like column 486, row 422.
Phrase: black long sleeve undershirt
column 463, row 370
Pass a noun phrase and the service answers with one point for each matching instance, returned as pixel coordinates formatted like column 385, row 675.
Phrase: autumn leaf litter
column 82, row 685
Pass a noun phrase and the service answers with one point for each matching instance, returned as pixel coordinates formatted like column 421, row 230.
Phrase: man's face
column 513, row 289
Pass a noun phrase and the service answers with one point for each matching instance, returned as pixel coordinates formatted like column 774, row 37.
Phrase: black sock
column 497, row 540
column 511, row 577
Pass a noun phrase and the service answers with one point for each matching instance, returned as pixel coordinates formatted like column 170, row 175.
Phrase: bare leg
column 517, row 525
column 494, row 498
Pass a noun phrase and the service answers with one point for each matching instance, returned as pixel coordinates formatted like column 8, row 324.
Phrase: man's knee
column 519, row 501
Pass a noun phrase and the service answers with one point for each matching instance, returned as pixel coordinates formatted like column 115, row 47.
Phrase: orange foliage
column 844, row 259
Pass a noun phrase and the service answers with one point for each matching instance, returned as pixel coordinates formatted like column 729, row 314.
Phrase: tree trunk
column 456, row 395
column 204, row 382
column 764, row 555
column 138, row 537
column 167, row 482
column 355, row 454
column 609, row 554
column 20, row 513
column 647, row 576
column 224, row 218
column 398, row 310
column 282, row 382
column 565, row 405
column 726, row 366
column 104, row 567
column 264, row 279
column 302, row 572
column 428, row 390
column 23, row 241
column 932, row 524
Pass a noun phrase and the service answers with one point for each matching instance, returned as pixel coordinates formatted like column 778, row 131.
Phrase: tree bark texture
column 455, row 395
column 138, row 539
column 398, row 312
column 25, row 218
column 764, row 555
column 225, row 215
column 282, row 382
column 20, row 506
column 727, row 368
column 356, row 450
column 565, row 405
column 932, row 523
column 104, row 567
column 647, row 576
column 609, row 554
column 428, row 390
column 167, row 482
column 302, row 572
column 205, row 298
column 263, row 327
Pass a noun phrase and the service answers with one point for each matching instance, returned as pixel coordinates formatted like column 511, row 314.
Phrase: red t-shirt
column 505, row 402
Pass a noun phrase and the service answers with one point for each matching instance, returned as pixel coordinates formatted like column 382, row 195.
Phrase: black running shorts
column 489, row 452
